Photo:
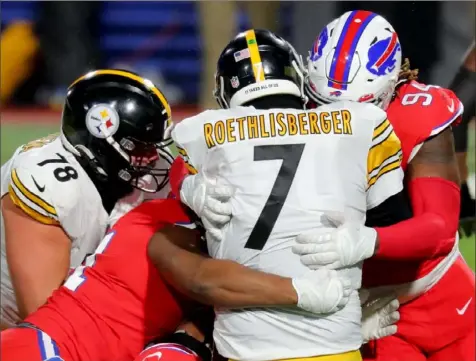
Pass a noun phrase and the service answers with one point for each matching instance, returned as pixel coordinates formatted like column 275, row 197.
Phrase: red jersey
column 115, row 304
column 417, row 113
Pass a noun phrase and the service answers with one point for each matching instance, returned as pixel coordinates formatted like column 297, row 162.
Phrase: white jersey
column 48, row 184
column 291, row 169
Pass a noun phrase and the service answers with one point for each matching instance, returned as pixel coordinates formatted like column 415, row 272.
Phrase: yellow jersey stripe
column 376, row 167
column 382, row 127
column 380, row 152
column 190, row 168
column 139, row 79
column 254, row 55
column 182, row 151
column 32, row 197
column 384, row 170
column 30, row 211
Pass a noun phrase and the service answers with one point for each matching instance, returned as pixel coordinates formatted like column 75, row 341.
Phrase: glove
column 322, row 291
column 342, row 247
column 210, row 200
column 379, row 318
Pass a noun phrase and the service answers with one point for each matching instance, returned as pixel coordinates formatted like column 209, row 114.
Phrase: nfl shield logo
column 235, row 83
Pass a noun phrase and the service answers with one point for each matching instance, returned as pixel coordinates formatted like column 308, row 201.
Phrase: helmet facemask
column 148, row 163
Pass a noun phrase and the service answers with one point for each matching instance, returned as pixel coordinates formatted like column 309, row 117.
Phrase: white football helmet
column 356, row 57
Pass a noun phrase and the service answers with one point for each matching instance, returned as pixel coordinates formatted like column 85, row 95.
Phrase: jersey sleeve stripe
column 183, row 153
column 191, row 168
column 382, row 136
column 18, row 186
column 380, row 128
column 385, row 153
column 384, row 170
column 36, row 215
column 438, row 129
column 394, row 157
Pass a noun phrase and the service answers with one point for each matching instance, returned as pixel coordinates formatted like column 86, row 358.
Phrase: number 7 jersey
column 47, row 183
column 293, row 171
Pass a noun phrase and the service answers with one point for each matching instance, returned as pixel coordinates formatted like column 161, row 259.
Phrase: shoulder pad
column 44, row 185
column 190, row 137
column 426, row 109
column 421, row 111
column 366, row 111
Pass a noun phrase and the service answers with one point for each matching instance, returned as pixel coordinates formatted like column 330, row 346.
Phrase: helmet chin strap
column 300, row 72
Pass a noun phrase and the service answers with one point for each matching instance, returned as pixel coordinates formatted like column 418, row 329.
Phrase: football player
column 117, row 302
column 57, row 192
column 464, row 85
column 358, row 57
column 292, row 170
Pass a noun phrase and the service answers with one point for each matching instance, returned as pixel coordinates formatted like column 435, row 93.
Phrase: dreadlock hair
column 407, row 74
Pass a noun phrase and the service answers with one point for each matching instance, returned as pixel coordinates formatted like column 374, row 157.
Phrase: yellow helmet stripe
column 139, row 79
column 254, row 55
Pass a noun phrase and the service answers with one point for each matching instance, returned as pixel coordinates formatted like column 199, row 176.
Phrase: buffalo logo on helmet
column 319, row 45
column 335, row 93
column 381, row 55
column 102, row 121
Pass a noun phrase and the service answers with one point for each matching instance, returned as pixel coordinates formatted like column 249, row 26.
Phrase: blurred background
column 47, row 45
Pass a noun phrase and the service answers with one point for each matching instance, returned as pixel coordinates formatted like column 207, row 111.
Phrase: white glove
column 210, row 200
column 322, row 291
column 344, row 246
column 379, row 318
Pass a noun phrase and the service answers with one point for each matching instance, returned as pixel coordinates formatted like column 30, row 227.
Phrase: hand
column 378, row 319
column 322, row 291
column 344, row 246
column 210, row 200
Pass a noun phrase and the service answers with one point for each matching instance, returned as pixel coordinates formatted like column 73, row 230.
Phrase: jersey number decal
column 291, row 155
column 77, row 278
column 62, row 174
column 410, row 99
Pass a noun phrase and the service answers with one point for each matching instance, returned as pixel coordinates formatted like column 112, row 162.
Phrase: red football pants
column 437, row 326
column 167, row 352
column 22, row 344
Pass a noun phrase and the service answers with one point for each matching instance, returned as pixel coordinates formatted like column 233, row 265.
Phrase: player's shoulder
column 48, row 180
column 360, row 110
column 428, row 108
column 364, row 117
column 185, row 126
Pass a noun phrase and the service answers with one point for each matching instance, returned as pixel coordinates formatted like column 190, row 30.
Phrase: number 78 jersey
column 48, row 184
column 292, row 170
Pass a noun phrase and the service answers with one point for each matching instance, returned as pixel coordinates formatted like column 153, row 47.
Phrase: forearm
column 219, row 283
column 431, row 231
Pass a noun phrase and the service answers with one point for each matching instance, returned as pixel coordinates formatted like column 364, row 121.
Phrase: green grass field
column 13, row 135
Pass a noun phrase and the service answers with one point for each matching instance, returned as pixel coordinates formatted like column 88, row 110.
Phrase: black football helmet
column 255, row 64
column 114, row 122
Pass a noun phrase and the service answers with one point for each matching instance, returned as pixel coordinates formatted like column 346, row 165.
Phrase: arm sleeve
column 25, row 192
column 384, row 172
column 432, row 230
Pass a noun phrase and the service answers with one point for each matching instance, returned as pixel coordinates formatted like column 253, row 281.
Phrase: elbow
column 201, row 287
column 445, row 234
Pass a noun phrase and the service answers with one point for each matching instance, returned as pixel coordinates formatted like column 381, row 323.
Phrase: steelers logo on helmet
column 102, row 121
